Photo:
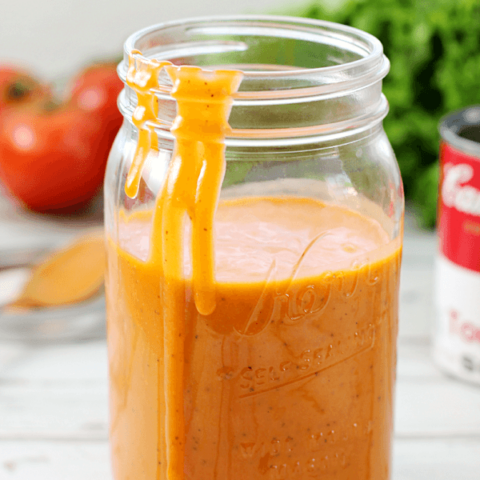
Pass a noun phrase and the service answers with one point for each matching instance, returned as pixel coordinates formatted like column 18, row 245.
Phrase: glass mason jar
column 292, row 375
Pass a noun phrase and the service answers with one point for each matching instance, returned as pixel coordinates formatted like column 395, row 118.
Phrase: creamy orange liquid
column 291, row 376
column 252, row 341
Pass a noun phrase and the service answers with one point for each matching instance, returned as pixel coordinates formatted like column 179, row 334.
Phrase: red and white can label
column 459, row 208
column 457, row 291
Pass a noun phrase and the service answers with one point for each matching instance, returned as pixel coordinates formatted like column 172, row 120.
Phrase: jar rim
column 309, row 28
column 286, row 85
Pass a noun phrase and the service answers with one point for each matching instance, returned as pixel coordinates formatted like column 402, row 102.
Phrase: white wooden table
column 53, row 399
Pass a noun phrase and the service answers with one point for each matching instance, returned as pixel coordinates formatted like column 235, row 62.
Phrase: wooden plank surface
column 54, row 409
column 61, row 393
column 54, row 460
column 436, row 459
column 425, row 459
column 55, row 393
column 53, row 405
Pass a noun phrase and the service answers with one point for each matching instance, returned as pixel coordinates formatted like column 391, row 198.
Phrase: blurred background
column 60, row 36
column 433, row 46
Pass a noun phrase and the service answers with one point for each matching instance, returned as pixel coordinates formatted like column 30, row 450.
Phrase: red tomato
column 96, row 91
column 54, row 159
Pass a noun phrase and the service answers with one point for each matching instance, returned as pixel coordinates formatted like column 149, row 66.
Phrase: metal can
column 457, row 284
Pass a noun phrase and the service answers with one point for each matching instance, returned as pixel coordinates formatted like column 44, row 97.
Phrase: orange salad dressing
column 261, row 345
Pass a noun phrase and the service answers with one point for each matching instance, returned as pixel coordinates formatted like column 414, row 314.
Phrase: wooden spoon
column 70, row 275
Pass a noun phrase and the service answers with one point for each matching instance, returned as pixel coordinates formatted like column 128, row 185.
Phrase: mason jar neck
column 304, row 80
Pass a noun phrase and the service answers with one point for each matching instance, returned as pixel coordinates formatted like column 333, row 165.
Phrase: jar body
column 292, row 375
